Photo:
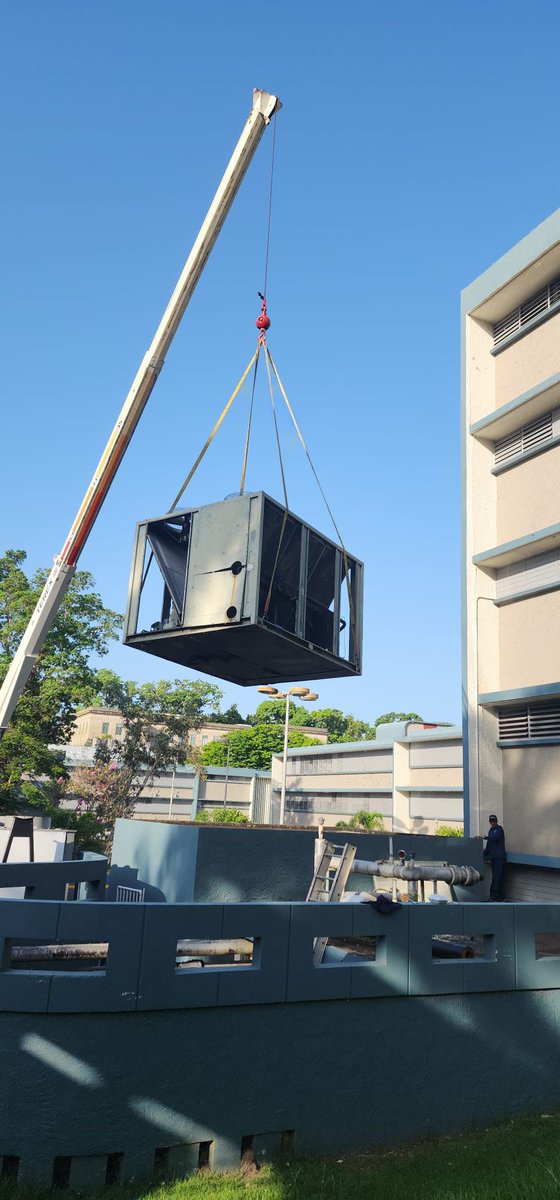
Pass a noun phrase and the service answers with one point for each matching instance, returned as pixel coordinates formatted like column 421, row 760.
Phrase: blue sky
column 416, row 144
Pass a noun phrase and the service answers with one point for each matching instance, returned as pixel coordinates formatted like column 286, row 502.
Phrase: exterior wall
column 527, row 494
column 377, row 778
column 530, row 640
column 531, row 799
column 90, row 722
column 527, row 362
column 511, row 652
column 141, row 1065
column 210, row 865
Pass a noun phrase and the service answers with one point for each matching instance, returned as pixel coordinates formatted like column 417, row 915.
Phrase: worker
column 496, row 851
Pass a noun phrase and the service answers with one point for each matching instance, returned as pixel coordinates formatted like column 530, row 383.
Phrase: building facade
column 511, row 556
column 94, row 724
column 412, row 774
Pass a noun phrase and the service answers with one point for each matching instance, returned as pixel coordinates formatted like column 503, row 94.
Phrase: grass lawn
column 516, row 1161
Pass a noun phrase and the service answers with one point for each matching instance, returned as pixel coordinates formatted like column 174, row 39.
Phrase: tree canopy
column 252, row 747
column 62, row 678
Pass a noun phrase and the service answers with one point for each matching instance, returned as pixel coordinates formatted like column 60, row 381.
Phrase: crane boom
column 264, row 105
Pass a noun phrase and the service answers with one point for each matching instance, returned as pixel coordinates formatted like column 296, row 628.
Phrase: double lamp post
column 302, row 693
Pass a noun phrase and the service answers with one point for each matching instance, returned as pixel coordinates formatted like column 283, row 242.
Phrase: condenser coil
column 245, row 591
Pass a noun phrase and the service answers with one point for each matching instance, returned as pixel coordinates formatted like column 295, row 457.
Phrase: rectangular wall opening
column 113, row 1172
column 547, row 945
column 217, row 954
column 362, row 950
column 473, row 947
column 10, row 1166
column 34, row 955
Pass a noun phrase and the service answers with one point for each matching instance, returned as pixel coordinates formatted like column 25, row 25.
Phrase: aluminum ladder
column 327, row 887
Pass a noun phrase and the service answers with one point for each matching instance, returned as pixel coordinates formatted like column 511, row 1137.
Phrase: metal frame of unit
column 217, row 562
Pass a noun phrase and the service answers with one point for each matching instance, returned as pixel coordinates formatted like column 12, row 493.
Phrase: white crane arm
column 264, row 105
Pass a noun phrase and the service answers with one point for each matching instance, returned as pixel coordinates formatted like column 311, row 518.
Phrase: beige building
column 93, row 724
column 412, row 774
column 511, row 556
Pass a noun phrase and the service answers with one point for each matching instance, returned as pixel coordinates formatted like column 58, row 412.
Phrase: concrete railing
column 49, row 880
column 140, row 971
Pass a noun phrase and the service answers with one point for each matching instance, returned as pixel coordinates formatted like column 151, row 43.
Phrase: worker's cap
column 492, row 817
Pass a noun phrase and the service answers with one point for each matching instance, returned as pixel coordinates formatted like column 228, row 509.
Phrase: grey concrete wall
column 159, row 857
column 180, row 863
column 49, row 880
column 141, row 1064
column 130, row 1092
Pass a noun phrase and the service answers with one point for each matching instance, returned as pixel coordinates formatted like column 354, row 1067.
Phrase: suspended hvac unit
column 246, row 591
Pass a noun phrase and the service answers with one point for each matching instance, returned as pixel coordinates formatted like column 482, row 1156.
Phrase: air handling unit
column 245, row 591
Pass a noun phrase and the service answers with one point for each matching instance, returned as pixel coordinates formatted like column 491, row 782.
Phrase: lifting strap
column 221, row 418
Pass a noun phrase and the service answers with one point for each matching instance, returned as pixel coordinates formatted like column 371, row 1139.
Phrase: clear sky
column 417, row 143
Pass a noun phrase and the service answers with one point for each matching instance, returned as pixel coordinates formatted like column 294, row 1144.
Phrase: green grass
column 516, row 1161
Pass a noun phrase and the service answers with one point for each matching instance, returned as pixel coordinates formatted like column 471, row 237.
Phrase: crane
column 65, row 563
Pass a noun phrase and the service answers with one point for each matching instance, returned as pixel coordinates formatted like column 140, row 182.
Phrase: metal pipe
column 444, row 872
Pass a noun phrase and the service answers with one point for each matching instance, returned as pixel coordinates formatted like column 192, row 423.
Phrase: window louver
column 524, row 440
column 528, row 575
column 529, row 721
column 543, row 300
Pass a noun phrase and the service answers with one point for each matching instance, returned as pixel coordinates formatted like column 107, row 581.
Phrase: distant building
column 412, row 774
column 94, row 724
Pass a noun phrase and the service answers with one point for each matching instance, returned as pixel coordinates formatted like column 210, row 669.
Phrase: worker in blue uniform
column 496, row 851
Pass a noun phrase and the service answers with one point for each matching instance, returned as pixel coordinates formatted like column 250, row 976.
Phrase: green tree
column 231, row 716
column 252, row 747
column 158, row 719
column 373, row 822
column 61, row 680
column 388, row 718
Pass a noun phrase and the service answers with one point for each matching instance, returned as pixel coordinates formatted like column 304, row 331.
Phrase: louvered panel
column 508, row 325
column 538, row 431
column 542, row 570
column 535, row 305
column 510, row 579
column 544, row 720
column 540, row 302
column 513, row 724
column 509, row 446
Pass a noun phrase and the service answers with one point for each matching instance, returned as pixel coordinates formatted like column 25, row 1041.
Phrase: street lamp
column 302, row 693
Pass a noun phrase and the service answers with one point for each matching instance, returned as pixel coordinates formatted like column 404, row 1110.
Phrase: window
column 528, row 439
column 105, row 728
column 204, row 739
column 529, row 575
column 541, row 302
column 193, row 739
column 529, row 722
column 336, row 803
column 118, row 730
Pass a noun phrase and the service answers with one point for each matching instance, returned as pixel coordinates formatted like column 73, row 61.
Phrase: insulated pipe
column 444, row 872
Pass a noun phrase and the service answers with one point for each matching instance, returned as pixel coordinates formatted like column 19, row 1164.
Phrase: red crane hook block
column 263, row 321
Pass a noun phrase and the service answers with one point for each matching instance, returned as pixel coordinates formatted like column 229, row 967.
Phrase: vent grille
column 528, row 575
column 537, row 433
column 529, row 721
column 543, row 300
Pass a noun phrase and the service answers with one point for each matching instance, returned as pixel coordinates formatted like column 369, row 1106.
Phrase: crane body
column 64, row 568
